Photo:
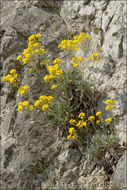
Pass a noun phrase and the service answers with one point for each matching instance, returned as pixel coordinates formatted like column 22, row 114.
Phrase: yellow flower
column 38, row 35
column 19, row 58
column 50, row 98
column 109, row 107
column 30, row 70
column 98, row 113
column 37, row 103
column 23, row 89
column 34, row 37
column 31, row 107
column 76, row 61
column 42, row 51
column 110, row 102
column 74, row 136
column 25, row 103
column 81, row 115
column 38, row 51
column 68, row 44
column 45, row 107
column 108, row 120
column 31, row 37
column 76, row 37
column 69, row 137
column 19, row 108
column 11, row 78
column 58, row 73
column 24, row 61
column 75, row 65
column 37, row 45
column 6, row 78
column 53, row 69
column 72, row 122
column 91, row 118
column 81, row 59
column 94, row 56
column 42, row 98
column 53, row 86
column 57, row 60
column 81, row 37
column 72, row 130
column 47, row 78
column 81, row 123
column 97, row 122
column 13, row 71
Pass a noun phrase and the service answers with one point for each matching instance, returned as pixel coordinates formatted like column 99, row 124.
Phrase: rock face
column 119, row 180
column 28, row 147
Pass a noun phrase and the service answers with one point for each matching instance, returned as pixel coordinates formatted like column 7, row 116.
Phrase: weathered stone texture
column 26, row 143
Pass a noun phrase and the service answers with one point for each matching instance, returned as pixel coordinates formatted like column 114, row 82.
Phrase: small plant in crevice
column 70, row 99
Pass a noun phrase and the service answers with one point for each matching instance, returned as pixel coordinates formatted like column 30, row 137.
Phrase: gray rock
column 87, row 11
column 28, row 144
column 70, row 157
column 119, row 180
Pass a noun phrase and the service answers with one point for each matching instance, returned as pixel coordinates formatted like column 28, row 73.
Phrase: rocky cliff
column 26, row 144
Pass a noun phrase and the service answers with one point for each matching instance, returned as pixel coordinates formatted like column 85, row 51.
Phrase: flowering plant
column 70, row 99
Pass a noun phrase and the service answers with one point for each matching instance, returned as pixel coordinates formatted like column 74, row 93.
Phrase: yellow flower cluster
column 98, row 114
column 81, row 37
column 97, row 122
column 72, row 133
column 110, row 104
column 68, row 44
column 24, row 105
column 44, row 102
column 11, row 78
column 23, row 89
column 53, row 87
column 54, row 72
column 57, row 60
column 76, row 61
column 95, row 56
column 72, row 122
column 32, row 49
column 81, row 115
column 34, row 37
column 73, row 44
column 108, row 120
column 81, row 123
column 91, row 118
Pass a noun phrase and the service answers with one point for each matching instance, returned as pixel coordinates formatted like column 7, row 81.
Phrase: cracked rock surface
column 26, row 143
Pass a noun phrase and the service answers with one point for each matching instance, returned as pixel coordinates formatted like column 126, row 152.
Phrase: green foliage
column 102, row 144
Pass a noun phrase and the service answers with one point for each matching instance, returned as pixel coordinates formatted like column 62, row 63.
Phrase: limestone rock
column 119, row 180
column 28, row 144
